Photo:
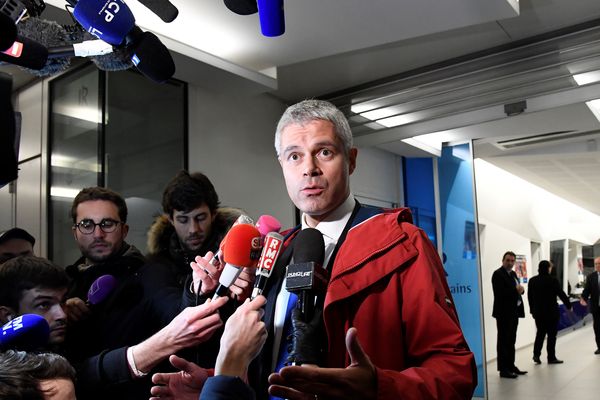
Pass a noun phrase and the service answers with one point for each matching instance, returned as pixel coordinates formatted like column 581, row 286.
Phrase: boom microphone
column 152, row 58
column 109, row 20
column 242, row 7
column 8, row 32
column 270, row 15
column 306, row 276
column 163, row 8
column 25, row 332
column 101, row 288
column 271, row 249
column 241, row 249
column 25, row 53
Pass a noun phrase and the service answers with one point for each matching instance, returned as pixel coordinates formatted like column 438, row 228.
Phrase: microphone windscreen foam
column 101, row 288
column 242, row 7
column 152, row 58
column 25, row 332
column 8, row 32
column 267, row 223
column 109, row 20
column 242, row 241
column 271, row 18
column 163, row 8
column 309, row 246
column 26, row 53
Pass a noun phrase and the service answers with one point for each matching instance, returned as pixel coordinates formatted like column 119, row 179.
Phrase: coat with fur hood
column 164, row 247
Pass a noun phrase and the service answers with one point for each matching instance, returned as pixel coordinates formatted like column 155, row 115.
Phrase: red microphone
column 242, row 219
column 241, row 249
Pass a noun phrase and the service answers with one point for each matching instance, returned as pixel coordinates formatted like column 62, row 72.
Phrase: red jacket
column 388, row 282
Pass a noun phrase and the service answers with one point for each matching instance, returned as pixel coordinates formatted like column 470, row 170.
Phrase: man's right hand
column 76, row 309
column 583, row 302
column 204, row 274
column 183, row 385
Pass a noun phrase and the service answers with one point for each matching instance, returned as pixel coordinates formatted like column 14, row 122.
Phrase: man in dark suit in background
column 508, row 308
column 591, row 293
column 542, row 293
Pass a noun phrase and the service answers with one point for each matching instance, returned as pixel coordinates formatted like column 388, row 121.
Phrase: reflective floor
column 577, row 379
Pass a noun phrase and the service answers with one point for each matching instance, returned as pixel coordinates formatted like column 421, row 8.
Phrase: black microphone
column 8, row 32
column 163, row 8
column 25, row 53
column 151, row 56
column 306, row 276
column 242, row 7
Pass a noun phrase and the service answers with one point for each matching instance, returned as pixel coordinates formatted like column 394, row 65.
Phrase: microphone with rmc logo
column 271, row 249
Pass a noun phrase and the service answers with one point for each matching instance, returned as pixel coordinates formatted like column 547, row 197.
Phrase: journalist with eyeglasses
column 114, row 343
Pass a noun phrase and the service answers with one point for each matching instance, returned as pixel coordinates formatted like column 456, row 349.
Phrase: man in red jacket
column 391, row 327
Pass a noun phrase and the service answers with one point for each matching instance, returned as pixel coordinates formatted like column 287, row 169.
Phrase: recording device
column 266, row 224
column 271, row 249
column 306, row 276
column 164, row 9
column 113, row 22
column 241, row 249
column 271, row 18
column 242, row 219
column 8, row 32
column 25, row 332
column 100, row 289
column 242, row 7
column 270, row 14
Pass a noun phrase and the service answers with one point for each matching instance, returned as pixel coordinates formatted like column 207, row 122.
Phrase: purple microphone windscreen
column 8, row 32
column 101, row 289
column 152, row 58
column 25, row 332
column 242, row 7
column 164, row 9
column 109, row 20
column 270, row 15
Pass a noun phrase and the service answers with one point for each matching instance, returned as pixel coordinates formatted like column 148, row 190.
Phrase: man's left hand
column 357, row 381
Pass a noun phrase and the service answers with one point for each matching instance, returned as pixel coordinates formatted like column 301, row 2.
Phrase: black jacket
column 542, row 293
column 506, row 296
column 590, row 292
column 144, row 300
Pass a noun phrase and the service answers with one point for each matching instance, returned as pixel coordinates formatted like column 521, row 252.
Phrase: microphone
column 306, row 276
column 164, row 9
column 270, row 15
column 242, row 7
column 271, row 249
column 241, row 249
column 152, row 58
column 8, row 32
column 109, row 20
column 26, row 53
column 101, row 288
column 266, row 224
column 25, row 332
column 242, row 219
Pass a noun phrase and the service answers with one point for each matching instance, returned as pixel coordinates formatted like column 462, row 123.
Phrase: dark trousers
column 596, row 315
column 547, row 325
column 505, row 346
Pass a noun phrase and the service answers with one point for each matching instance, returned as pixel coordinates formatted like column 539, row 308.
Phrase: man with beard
column 116, row 342
column 33, row 285
column 192, row 224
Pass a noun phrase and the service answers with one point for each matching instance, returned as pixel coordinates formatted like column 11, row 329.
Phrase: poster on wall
column 521, row 267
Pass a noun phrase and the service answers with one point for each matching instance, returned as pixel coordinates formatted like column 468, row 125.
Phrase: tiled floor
column 577, row 379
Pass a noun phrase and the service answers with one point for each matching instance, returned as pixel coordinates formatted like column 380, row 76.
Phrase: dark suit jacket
column 591, row 291
column 542, row 293
column 506, row 296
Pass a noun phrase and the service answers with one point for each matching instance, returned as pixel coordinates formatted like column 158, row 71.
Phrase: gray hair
column 310, row 110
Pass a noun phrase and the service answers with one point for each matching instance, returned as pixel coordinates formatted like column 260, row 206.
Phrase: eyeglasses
column 88, row 226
